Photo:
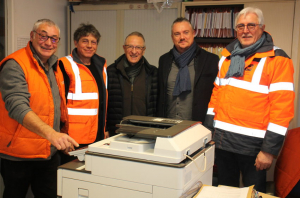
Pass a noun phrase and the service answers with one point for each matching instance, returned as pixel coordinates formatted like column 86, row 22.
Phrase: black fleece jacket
column 116, row 93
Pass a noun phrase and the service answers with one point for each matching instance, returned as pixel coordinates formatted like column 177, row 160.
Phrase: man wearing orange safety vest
column 32, row 114
column 86, row 88
column 252, row 103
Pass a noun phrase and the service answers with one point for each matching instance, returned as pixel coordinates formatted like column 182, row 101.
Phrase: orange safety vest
column 260, row 100
column 83, row 101
column 16, row 140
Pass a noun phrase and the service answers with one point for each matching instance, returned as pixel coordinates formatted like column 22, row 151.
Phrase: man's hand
column 263, row 160
column 68, row 149
column 62, row 141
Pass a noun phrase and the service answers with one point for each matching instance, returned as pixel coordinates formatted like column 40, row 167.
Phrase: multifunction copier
column 149, row 158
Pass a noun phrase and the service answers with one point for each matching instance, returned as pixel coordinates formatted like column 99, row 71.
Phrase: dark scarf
column 183, row 81
column 238, row 56
column 133, row 70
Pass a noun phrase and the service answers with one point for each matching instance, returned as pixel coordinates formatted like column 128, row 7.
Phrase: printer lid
column 152, row 127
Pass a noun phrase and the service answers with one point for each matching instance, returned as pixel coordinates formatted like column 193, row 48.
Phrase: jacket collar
column 51, row 61
column 119, row 64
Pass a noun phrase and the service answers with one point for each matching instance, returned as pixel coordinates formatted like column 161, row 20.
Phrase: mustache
column 47, row 48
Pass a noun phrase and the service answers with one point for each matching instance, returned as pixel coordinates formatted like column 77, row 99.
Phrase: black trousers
column 230, row 165
column 19, row 175
column 295, row 192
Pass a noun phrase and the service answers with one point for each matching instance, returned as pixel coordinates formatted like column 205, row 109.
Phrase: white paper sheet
column 223, row 192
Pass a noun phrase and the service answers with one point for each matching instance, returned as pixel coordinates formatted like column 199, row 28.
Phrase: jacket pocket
column 246, row 114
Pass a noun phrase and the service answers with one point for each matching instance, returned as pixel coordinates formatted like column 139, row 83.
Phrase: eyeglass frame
column 51, row 38
column 137, row 48
column 243, row 26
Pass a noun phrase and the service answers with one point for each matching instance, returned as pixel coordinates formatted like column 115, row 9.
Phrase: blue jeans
column 230, row 165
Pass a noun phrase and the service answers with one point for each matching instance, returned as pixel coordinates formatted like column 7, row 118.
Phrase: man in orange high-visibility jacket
column 252, row 103
column 86, row 88
column 32, row 108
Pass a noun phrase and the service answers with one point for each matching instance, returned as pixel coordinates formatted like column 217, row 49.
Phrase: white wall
column 22, row 14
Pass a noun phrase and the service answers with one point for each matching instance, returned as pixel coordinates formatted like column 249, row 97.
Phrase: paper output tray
column 179, row 165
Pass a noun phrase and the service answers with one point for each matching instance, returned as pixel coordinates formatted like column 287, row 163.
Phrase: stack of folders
column 213, row 22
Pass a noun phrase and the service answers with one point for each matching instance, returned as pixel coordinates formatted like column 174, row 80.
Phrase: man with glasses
column 132, row 83
column 32, row 115
column 185, row 76
column 252, row 103
column 86, row 93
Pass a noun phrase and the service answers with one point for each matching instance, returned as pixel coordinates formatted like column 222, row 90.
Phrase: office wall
column 21, row 15
column 115, row 22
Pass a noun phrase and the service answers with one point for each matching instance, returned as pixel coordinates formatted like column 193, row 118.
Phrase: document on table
column 222, row 192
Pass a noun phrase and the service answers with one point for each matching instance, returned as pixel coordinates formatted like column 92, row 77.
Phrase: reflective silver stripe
column 77, row 75
column 277, row 129
column 239, row 129
column 104, row 69
column 210, row 111
column 221, row 62
column 287, row 86
column 258, row 71
column 275, row 48
column 224, row 81
column 86, row 112
column 245, row 85
column 251, row 86
column 78, row 95
column 83, row 96
column 217, row 81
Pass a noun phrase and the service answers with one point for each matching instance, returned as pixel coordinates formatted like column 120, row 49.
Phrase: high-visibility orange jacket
column 254, row 110
column 16, row 140
column 83, row 99
column 287, row 169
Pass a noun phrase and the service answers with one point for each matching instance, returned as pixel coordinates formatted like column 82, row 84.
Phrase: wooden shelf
column 213, row 40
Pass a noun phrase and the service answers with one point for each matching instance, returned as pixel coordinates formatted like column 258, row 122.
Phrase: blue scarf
column 183, row 80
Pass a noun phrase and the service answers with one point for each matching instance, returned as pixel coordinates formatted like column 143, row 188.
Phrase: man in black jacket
column 132, row 84
column 185, row 76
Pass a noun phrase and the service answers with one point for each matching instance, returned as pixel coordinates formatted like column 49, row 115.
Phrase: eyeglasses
column 137, row 48
column 250, row 26
column 44, row 37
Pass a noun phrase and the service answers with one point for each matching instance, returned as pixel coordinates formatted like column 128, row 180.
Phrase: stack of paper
column 224, row 192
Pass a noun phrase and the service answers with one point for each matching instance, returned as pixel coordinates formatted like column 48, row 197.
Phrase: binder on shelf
column 214, row 25
column 213, row 22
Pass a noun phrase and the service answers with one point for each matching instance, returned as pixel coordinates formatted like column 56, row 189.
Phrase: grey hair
column 42, row 21
column 253, row 10
column 135, row 33
column 179, row 20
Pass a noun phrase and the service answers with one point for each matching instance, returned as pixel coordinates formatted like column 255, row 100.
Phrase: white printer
column 149, row 158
